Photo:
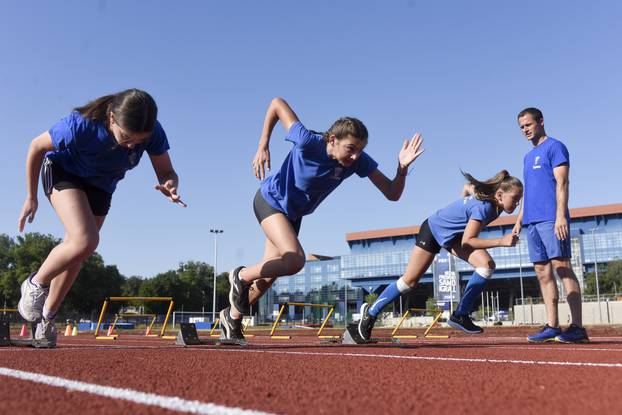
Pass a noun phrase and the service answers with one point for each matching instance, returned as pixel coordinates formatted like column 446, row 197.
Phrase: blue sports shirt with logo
column 308, row 174
column 87, row 149
column 540, row 201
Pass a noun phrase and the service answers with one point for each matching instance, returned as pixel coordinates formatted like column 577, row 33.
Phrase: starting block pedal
column 5, row 338
column 352, row 336
column 188, row 336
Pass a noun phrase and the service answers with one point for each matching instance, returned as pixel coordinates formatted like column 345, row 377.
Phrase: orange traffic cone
column 148, row 332
column 109, row 330
column 74, row 332
column 24, row 331
column 68, row 330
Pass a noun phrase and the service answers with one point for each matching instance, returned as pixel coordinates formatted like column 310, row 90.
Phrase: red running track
column 496, row 372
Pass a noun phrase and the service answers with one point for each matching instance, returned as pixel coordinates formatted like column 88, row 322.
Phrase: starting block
column 352, row 336
column 188, row 336
column 5, row 338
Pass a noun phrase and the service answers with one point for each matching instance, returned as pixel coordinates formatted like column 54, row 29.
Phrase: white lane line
column 173, row 403
column 429, row 358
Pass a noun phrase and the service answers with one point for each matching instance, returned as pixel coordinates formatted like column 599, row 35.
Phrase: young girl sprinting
column 84, row 156
column 314, row 167
column 456, row 228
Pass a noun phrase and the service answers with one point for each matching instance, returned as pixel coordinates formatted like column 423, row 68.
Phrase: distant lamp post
column 215, row 232
column 520, row 276
column 600, row 311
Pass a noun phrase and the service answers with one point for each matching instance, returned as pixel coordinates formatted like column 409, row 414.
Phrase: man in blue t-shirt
column 544, row 212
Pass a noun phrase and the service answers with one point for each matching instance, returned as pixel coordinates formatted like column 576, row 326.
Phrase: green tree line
column 609, row 279
column 190, row 285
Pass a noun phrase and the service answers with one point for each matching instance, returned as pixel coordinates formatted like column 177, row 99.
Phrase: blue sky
column 456, row 71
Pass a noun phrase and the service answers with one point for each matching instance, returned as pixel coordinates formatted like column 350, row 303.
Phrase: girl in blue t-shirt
column 455, row 228
column 83, row 156
column 314, row 167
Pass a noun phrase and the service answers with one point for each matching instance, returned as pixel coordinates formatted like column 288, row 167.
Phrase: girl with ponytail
column 84, row 156
column 455, row 228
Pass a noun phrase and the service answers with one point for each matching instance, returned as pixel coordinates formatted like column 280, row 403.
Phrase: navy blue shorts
column 54, row 176
column 262, row 210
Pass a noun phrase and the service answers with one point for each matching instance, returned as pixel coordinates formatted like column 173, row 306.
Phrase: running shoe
column 366, row 323
column 547, row 334
column 230, row 329
column 45, row 334
column 573, row 334
column 30, row 305
column 238, row 292
column 463, row 323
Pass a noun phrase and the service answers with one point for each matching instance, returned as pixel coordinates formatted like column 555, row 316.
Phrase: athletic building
column 379, row 257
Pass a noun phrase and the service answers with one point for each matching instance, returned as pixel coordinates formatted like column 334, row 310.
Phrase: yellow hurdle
column 426, row 334
column 331, row 309
column 111, row 299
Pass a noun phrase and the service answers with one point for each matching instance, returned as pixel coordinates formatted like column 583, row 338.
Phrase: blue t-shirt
column 308, row 174
column 85, row 148
column 451, row 221
column 540, row 200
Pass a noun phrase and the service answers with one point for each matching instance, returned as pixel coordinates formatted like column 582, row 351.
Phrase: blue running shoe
column 573, row 334
column 547, row 334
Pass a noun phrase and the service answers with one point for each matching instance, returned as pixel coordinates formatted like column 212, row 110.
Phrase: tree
column 94, row 283
column 18, row 259
column 609, row 280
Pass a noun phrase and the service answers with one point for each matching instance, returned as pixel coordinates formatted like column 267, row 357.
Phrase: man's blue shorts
column 544, row 245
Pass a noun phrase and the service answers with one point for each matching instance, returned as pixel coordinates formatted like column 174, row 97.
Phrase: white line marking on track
column 431, row 358
column 173, row 403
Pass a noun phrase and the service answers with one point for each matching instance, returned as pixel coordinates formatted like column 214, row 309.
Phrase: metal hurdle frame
column 125, row 315
column 319, row 332
column 425, row 334
column 111, row 299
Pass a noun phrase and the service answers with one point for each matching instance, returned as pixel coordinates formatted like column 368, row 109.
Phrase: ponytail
column 486, row 190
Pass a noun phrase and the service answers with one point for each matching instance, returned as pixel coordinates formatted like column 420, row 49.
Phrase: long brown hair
column 486, row 190
column 134, row 110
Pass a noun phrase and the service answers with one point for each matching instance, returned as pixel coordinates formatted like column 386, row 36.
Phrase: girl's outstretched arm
column 471, row 239
column 38, row 147
column 279, row 110
column 392, row 189
column 167, row 177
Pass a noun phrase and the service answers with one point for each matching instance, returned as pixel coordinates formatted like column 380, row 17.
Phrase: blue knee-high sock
column 389, row 294
column 473, row 290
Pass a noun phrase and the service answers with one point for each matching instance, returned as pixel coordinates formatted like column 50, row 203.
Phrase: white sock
column 48, row 314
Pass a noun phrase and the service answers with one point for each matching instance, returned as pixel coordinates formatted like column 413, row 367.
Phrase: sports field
column 497, row 372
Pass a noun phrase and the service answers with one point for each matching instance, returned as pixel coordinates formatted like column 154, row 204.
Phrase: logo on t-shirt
column 535, row 163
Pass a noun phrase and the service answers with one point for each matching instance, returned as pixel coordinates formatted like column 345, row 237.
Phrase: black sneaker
column 230, row 329
column 366, row 323
column 463, row 323
column 238, row 292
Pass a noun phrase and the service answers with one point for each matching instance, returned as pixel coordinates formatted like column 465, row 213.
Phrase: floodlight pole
column 600, row 311
column 215, row 232
column 520, row 276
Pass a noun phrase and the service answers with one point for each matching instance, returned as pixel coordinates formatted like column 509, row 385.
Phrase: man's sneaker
column 30, row 305
column 238, row 292
column 366, row 323
column 230, row 329
column 463, row 323
column 547, row 334
column 573, row 334
column 45, row 334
